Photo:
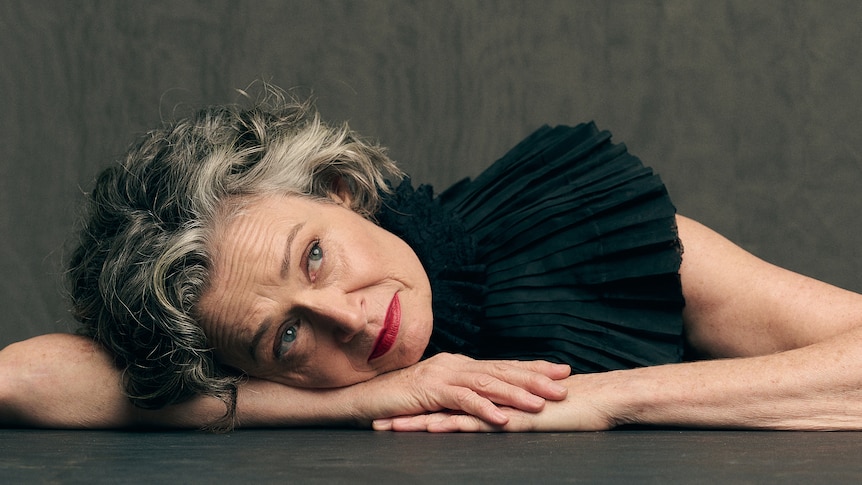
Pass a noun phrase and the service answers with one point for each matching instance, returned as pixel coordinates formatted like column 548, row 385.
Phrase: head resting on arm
column 142, row 260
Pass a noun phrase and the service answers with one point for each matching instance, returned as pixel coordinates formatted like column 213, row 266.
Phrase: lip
column 389, row 332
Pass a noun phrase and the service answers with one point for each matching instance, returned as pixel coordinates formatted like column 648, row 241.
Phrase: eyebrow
column 285, row 264
column 264, row 327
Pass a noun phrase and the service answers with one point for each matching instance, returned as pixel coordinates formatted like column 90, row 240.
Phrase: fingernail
column 381, row 424
column 500, row 418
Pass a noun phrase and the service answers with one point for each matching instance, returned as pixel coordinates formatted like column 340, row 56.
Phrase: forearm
column 65, row 381
column 267, row 404
column 818, row 387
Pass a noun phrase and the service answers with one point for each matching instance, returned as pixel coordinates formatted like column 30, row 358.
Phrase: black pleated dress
column 565, row 249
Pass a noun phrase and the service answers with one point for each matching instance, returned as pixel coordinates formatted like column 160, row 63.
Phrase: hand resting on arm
column 66, row 381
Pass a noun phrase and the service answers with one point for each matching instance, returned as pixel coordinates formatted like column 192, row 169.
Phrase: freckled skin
column 342, row 275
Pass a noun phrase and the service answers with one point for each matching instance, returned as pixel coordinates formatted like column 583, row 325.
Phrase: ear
column 339, row 191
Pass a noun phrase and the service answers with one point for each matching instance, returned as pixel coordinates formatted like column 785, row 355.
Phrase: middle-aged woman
column 247, row 257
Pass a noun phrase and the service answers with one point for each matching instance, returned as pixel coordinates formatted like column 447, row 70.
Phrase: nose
column 342, row 313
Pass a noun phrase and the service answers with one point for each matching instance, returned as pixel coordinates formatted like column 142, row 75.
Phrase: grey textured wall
column 750, row 110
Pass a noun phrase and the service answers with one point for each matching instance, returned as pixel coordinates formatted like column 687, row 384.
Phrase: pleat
column 580, row 250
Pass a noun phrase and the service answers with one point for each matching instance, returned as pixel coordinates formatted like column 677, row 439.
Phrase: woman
column 208, row 257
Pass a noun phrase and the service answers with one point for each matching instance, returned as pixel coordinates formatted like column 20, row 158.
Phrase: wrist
column 622, row 397
column 666, row 395
column 355, row 404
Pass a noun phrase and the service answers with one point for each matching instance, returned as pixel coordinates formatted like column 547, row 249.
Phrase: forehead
column 248, row 223
column 239, row 210
column 248, row 246
column 241, row 236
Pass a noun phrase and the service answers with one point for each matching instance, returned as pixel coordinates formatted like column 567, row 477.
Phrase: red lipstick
column 389, row 332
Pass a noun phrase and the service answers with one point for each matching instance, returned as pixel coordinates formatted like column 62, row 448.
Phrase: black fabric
column 565, row 249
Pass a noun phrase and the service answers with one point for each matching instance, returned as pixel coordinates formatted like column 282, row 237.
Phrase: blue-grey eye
column 315, row 258
column 288, row 337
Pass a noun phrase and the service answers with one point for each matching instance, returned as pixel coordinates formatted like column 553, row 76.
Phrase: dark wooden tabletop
column 342, row 456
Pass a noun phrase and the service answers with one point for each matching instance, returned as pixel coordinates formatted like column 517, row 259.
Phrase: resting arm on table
column 787, row 354
column 66, row 381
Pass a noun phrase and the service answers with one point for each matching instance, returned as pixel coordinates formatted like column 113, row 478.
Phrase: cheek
column 418, row 334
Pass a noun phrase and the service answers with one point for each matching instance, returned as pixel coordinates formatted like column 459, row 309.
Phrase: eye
column 315, row 260
column 287, row 338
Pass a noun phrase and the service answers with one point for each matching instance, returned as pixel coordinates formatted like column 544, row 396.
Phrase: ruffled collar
column 448, row 254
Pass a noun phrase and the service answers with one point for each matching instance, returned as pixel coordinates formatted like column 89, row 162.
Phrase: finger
column 467, row 400
column 459, row 423
column 416, row 423
column 538, row 377
column 441, row 422
column 499, row 391
column 513, row 386
column 548, row 369
column 382, row 424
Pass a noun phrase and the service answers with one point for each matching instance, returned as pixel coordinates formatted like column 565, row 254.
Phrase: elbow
column 60, row 381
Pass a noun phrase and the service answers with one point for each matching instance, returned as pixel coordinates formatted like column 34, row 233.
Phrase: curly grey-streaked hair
column 143, row 258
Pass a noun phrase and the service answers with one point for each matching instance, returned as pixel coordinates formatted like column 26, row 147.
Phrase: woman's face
column 311, row 294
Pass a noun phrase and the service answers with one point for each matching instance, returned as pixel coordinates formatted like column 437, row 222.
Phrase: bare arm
column 60, row 381
column 794, row 390
column 64, row 381
column 788, row 353
column 795, row 345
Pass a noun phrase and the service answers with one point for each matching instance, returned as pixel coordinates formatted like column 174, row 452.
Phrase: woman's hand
column 457, row 383
column 581, row 410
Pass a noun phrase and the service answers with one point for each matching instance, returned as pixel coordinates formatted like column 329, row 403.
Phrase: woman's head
column 144, row 256
column 309, row 293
